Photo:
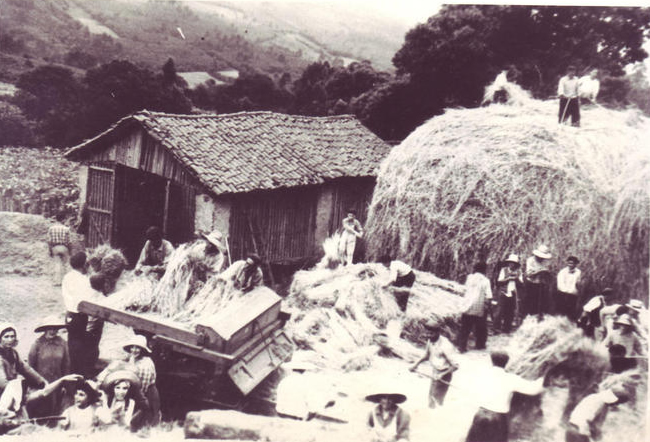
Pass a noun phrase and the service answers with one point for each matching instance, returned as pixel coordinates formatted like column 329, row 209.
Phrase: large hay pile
column 481, row 183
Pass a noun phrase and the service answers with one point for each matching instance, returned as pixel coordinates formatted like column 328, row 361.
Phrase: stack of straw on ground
column 501, row 179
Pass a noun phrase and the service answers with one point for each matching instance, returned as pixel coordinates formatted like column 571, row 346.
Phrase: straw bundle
column 108, row 262
column 485, row 182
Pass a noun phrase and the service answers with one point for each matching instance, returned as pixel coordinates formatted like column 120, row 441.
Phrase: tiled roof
column 231, row 153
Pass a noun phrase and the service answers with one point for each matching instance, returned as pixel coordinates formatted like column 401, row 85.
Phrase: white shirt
column 442, row 355
column 497, row 388
column 568, row 87
column 589, row 87
column 567, row 281
column 477, row 290
column 588, row 410
column 399, row 269
column 74, row 289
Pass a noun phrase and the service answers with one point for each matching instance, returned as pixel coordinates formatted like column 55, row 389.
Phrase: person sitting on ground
column 155, row 254
column 401, row 277
column 490, row 422
column 443, row 357
column 58, row 241
column 590, row 320
column 587, row 418
column 536, row 282
column 387, row 421
column 122, row 404
column 80, row 418
column 139, row 360
column 507, row 284
column 244, row 275
column 12, row 372
column 589, row 86
column 568, row 288
column 49, row 357
column 478, row 295
column 352, row 230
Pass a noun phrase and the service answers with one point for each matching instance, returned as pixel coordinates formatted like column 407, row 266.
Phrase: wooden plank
column 261, row 335
column 194, row 350
column 166, row 208
column 106, row 212
column 139, row 322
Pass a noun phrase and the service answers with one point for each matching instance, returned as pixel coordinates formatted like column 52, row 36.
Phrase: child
column 138, row 357
column 80, row 417
column 123, row 404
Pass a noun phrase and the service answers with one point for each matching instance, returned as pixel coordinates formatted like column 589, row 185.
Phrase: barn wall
column 83, row 185
column 323, row 215
column 212, row 213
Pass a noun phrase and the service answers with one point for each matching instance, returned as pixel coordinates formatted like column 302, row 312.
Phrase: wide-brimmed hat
column 215, row 238
column 624, row 319
column 121, row 375
column 398, row 398
column 542, row 251
column 52, row 321
column 635, row 304
column 514, row 258
column 137, row 341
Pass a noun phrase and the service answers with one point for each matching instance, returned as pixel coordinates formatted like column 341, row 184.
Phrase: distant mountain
column 201, row 36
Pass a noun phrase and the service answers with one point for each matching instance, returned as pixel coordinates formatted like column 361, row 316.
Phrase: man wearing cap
column 155, row 254
column 567, row 90
column 587, row 418
column 244, row 275
column 507, row 284
column 58, row 241
column 444, row 361
column 497, row 387
column 387, row 421
column 536, row 278
column 568, row 288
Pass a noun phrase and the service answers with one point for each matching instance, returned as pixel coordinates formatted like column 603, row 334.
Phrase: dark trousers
column 402, row 296
column 438, row 390
column 76, row 324
column 506, row 313
column 92, row 339
column 572, row 435
column 536, row 300
column 565, row 304
column 569, row 106
column 476, row 323
column 488, row 426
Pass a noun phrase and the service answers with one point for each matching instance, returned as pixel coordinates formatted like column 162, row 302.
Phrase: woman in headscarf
column 11, row 386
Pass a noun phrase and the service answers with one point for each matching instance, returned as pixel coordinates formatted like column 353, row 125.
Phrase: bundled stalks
column 485, row 182
column 108, row 262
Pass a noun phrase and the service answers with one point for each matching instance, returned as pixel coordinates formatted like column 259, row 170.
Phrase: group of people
column 572, row 90
column 46, row 389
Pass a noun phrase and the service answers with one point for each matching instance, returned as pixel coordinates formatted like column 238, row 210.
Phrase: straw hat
column 624, row 319
column 635, row 304
column 543, row 252
column 514, row 258
column 137, row 341
column 121, row 375
column 52, row 321
column 397, row 398
column 215, row 238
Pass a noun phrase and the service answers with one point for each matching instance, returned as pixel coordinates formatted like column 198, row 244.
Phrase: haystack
column 485, row 182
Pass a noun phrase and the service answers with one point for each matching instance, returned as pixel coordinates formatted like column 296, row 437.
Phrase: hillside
column 272, row 38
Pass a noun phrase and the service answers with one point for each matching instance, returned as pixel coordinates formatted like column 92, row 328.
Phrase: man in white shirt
column 401, row 277
column 490, row 422
column 478, row 294
column 568, row 288
column 568, row 91
column 589, row 86
column 588, row 416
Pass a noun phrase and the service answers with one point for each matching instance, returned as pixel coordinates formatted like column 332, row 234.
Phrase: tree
column 169, row 72
column 457, row 52
column 45, row 89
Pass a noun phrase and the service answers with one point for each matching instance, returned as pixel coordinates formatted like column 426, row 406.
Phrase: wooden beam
column 166, row 210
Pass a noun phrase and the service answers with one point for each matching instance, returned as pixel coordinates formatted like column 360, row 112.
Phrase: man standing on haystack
column 568, row 91
column 537, row 277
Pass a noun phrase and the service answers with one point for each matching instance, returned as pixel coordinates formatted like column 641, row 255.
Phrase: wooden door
column 100, row 195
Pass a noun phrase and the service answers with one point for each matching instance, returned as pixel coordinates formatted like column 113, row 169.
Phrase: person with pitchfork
column 568, row 91
column 444, row 360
